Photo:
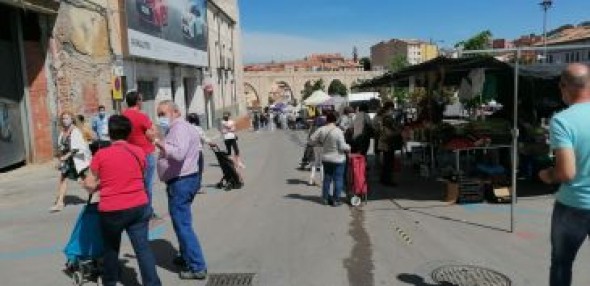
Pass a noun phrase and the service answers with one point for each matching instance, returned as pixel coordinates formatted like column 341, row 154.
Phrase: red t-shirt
column 121, row 177
column 140, row 123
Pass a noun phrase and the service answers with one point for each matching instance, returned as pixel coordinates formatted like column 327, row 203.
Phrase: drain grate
column 230, row 279
column 467, row 275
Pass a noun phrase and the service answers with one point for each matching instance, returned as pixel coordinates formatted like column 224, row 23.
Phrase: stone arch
column 252, row 97
column 282, row 90
column 330, row 80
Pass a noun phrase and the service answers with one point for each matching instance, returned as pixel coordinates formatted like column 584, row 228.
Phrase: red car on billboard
column 154, row 12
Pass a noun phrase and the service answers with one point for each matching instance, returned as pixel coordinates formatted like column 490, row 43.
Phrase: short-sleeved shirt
column 120, row 171
column 570, row 129
column 228, row 129
column 140, row 124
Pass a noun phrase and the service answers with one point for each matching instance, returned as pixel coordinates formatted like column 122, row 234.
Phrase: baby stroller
column 231, row 178
column 85, row 247
column 357, row 185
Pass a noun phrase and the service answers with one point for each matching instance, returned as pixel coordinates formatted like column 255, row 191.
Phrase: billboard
column 168, row 30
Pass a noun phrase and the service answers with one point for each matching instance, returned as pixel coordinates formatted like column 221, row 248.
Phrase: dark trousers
column 569, row 228
column 181, row 193
column 135, row 222
column 387, row 167
column 232, row 143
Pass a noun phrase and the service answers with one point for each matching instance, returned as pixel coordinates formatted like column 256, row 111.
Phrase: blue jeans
column 569, row 228
column 148, row 175
column 333, row 172
column 181, row 193
column 135, row 222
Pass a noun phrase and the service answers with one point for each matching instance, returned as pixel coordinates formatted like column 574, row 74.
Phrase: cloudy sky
column 291, row 29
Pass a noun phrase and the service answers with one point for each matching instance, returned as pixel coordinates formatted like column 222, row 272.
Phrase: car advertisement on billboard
column 168, row 30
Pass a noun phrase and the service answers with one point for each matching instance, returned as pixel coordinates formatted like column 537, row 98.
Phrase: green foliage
column 337, row 88
column 398, row 62
column 480, row 41
column 309, row 88
column 366, row 62
column 400, row 94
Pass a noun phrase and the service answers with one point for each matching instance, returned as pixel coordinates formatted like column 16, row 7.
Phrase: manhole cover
column 230, row 279
column 466, row 275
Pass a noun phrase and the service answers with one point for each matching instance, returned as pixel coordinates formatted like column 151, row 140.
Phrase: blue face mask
column 164, row 123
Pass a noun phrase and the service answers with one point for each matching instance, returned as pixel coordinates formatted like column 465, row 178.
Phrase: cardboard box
column 451, row 192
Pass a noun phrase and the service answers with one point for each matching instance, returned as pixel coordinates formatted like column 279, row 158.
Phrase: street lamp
column 545, row 5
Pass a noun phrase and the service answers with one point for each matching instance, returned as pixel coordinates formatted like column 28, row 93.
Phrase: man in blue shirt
column 570, row 142
column 100, row 128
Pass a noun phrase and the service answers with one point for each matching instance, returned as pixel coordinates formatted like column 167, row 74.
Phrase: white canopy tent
column 317, row 97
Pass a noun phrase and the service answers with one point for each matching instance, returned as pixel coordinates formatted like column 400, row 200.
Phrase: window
column 577, row 56
column 567, row 57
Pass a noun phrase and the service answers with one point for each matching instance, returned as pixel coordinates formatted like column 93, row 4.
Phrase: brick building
column 415, row 52
column 311, row 63
column 63, row 55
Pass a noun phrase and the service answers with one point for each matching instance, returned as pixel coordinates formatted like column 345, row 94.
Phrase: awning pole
column 514, row 141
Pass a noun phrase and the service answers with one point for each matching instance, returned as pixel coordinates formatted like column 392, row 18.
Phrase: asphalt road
column 277, row 229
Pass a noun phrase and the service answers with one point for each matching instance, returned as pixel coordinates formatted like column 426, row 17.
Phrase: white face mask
column 66, row 121
column 164, row 123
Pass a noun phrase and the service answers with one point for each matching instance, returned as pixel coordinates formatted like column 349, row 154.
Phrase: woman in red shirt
column 117, row 173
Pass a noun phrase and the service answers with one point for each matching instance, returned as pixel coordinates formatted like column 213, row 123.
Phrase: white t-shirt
column 228, row 129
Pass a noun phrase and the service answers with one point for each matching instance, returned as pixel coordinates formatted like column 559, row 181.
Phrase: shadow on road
column 296, row 182
column 73, row 200
column 164, row 253
column 128, row 275
column 315, row 199
column 413, row 279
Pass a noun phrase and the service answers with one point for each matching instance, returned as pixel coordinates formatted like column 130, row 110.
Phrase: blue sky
column 290, row 29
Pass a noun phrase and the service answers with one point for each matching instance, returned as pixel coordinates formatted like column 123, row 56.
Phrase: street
column 277, row 229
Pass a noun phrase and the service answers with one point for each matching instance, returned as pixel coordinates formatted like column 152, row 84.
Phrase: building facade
column 414, row 51
column 574, row 36
column 65, row 55
column 311, row 63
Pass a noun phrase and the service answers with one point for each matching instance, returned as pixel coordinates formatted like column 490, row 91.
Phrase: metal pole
column 546, row 5
column 514, row 141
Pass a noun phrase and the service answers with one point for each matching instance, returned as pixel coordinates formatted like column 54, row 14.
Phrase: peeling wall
column 81, row 60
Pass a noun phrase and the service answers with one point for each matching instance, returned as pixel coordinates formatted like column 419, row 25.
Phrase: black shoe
column 179, row 261
column 193, row 275
column 325, row 202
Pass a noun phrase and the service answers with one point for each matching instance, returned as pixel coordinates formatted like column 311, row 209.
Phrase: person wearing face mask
column 179, row 168
column 228, row 130
column 74, row 157
column 143, row 134
column 100, row 129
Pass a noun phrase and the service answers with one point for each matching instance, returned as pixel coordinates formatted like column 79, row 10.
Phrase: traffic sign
column 117, row 88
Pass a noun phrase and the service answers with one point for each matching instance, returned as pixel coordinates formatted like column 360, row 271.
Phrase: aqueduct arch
column 252, row 97
column 263, row 82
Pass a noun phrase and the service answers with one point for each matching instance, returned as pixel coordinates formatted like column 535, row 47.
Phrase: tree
column 337, row 88
column 398, row 62
column 309, row 88
column 366, row 63
column 480, row 41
